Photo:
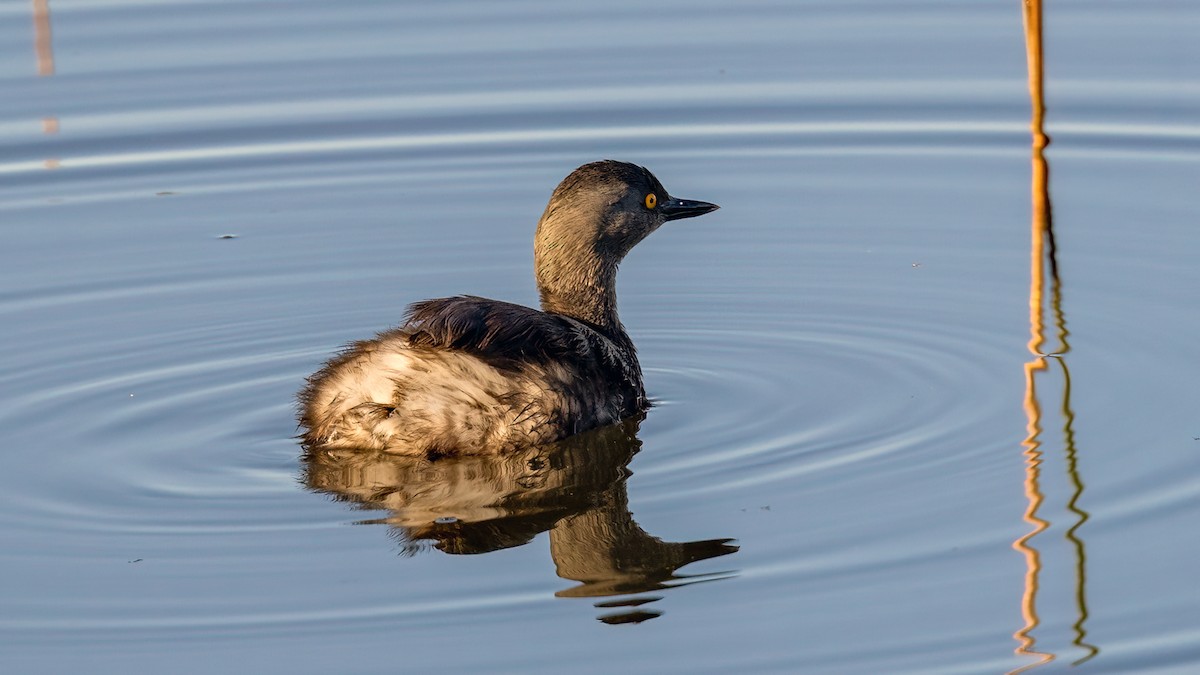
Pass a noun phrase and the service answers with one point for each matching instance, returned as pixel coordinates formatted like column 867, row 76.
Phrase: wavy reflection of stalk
column 575, row 489
column 43, row 49
column 1044, row 266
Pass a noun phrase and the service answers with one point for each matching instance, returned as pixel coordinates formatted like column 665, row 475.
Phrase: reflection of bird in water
column 575, row 488
column 467, row 375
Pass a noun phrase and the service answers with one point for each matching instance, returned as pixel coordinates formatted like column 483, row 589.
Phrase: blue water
column 201, row 202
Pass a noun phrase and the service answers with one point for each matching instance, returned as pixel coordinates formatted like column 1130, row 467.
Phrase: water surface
column 867, row 453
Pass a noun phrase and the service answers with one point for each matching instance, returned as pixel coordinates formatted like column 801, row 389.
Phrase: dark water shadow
column 575, row 489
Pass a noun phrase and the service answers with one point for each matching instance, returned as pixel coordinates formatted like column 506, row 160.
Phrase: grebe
column 468, row 375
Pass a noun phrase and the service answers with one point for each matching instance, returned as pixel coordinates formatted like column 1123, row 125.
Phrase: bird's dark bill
column 686, row 208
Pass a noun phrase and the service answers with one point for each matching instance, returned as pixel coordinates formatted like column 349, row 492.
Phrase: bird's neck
column 587, row 293
column 575, row 276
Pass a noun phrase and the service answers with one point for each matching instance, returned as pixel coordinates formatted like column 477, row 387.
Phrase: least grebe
column 468, row 375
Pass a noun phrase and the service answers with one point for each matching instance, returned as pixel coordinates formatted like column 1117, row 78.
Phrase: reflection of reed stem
column 1037, row 285
column 1082, row 516
column 42, row 45
column 1033, row 494
column 1044, row 258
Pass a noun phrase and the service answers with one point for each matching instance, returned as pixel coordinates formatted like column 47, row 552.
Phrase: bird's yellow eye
column 651, row 200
